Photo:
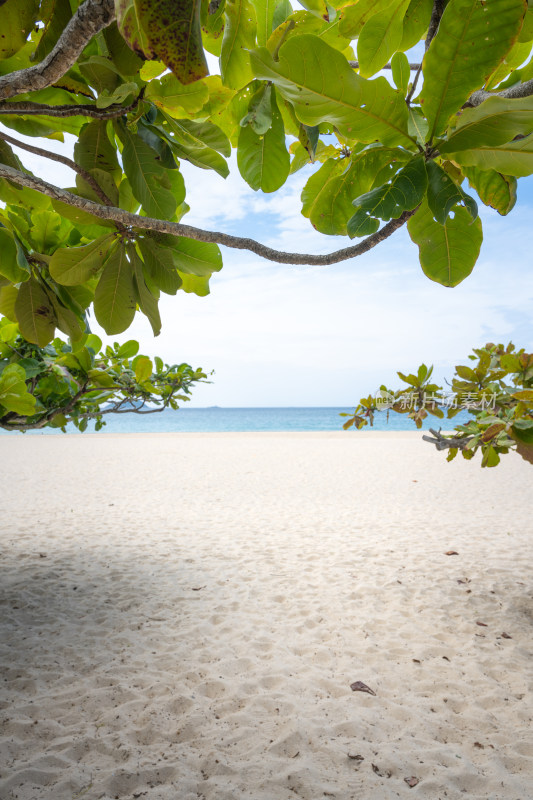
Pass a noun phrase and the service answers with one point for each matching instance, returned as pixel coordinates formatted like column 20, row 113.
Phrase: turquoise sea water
column 210, row 420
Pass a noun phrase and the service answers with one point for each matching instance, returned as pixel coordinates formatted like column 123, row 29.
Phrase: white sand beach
column 182, row 617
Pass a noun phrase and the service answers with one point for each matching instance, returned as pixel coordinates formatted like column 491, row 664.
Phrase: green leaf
column 8, row 298
column 380, row 38
column 239, row 38
column 196, row 258
column 17, row 21
column 444, row 194
column 143, row 368
column 14, row 395
column 473, row 37
column 114, row 301
column 176, row 98
column 194, row 284
column 145, row 299
column 150, row 182
column 160, row 265
column 47, row 231
column 448, row 252
column 123, row 92
column 185, row 139
column 401, row 72
column 72, row 266
column 265, row 17
column 403, row 193
column 9, row 262
column 490, row 124
column 264, row 161
column 415, row 23
column 513, row 158
column 322, row 86
column 355, row 16
column 58, row 18
column 35, row 314
column 259, row 115
column 319, row 8
column 494, row 189
column 129, row 349
column 94, row 150
column 490, row 457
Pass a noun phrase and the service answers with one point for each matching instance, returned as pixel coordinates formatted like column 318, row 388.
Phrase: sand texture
column 182, row 617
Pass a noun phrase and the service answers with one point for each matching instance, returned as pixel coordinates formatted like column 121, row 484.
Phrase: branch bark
column 443, row 443
column 177, row 229
column 518, row 90
column 87, row 110
column 90, row 18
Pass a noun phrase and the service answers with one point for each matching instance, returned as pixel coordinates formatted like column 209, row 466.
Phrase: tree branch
column 443, row 443
column 39, row 151
column 87, row 110
column 177, row 229
column 518, row 90
column 90, row 18
column 436, row 14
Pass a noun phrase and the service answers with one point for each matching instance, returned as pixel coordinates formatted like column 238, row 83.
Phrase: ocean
column 225, row 420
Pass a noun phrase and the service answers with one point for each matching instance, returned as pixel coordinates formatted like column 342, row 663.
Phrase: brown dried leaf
column 359, row 686
column 451, row 553
column 356, row 757
column 506, row 636
column 482, row 624
column 412, row 781
column 478, row 744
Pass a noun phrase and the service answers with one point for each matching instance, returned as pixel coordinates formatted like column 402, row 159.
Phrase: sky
column 281, row 335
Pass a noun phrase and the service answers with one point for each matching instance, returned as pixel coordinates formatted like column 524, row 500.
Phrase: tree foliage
column 497, row 391
column 297, row 87
column 59, row 383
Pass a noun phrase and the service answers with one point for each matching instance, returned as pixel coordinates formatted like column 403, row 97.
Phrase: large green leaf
column 263, row 160
column 265, row 17
column 403, row 193
column 166, row 30
column 17, row 20
column 114, row 298
column 494, row 122
column 381, row 37
column 14, row 395
column 239, row 38
column 160, row 264
column 184, row 138
column 513, row 158
column 10, row 267
column 176, row 98
column 144, row 297
column 35, row 314
column 94, row 150
column 322, row 86
column 196, row 258
column 447, row 252
column 415, row 23
column 150, row 182
column 494, row 189
column 72, row 266
column 444, row 194
column 473, row 37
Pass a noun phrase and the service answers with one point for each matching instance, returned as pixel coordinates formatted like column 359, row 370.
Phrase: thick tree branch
column 87, row 110
column 90, row 18
column 518, row 90
column 177, row 229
